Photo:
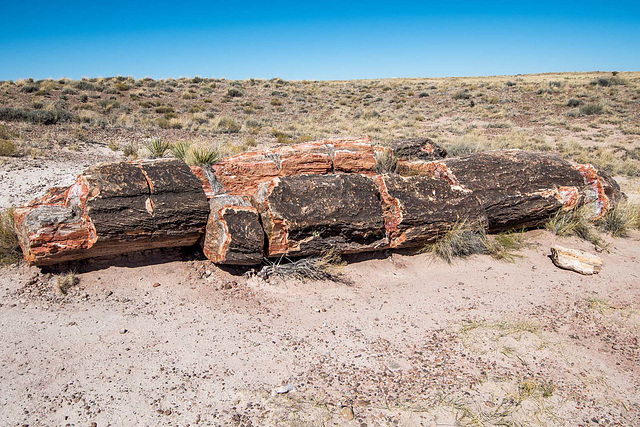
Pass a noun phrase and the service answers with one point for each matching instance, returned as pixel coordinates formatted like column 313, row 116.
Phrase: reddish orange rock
column 241, row 174
column 354, row 155
column 304, row 159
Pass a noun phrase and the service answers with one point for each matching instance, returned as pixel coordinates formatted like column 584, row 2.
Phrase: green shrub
column 574, row 102
column 591, row 109
column 462, row 95
column 30, row 88
column 9, row 248
column 199, row 155
column 45, row 117
column 234, row 93
column 157, row 147
column 7, row 148
column 82, row 85
column 228, row 125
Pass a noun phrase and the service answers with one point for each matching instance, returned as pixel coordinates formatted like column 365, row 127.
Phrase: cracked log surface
column 234, row 234
column 417, row 210
column 519, row 188
column 310, row 214
column 112, row 209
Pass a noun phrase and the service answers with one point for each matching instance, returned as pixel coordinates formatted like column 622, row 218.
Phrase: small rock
column 123, row 331
column 167, row 412
column 155, row 285
column 347, row 412
column 285, row 389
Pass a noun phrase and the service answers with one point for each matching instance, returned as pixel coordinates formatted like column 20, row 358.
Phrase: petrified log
column 234, row 234
column 418, row 149
column 516, row 188
column 576, row 260
column 306, row 199
column 310, row 214
column 114, row 208
column 417, row 210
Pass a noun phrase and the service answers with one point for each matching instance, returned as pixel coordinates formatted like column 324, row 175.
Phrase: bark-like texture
column 576, row 260
column 418, row 149
column 234, row 233
column 515, row 188
column 307, row 215
column 115, row 208
column 419, row 209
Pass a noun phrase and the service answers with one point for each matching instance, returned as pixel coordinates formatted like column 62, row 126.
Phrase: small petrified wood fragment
column 234, row 234
column 576, row 260
column 417, row 210
column 115, row 208
column 310, row 214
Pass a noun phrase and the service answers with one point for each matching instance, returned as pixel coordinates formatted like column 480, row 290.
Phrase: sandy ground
column 412, row 341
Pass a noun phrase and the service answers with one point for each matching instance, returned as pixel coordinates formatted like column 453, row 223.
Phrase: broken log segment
column 243, row 173
column 417, row 210
column 517, row 189
column 234, row 234
column 311, row 214
column 115, row 208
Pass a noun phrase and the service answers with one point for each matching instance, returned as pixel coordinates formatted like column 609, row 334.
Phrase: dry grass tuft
column 573, row 223
column 9, row 247
column 325, row 267
column 620, row 220
column 64, row 282
column 462, row 239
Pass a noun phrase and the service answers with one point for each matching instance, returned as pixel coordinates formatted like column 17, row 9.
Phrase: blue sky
column 315, row 40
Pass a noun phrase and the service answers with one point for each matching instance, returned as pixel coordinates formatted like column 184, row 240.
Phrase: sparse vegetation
column 591, row 109
column 573, row 222
column 464, row 239
column 385, row 161
column 180, row 149
column 461, row 240
column 9, row 248
column 325, row 267
column 8, row 148
column 620, row 220
column 202, row 155
column 64, row 282
column 38, row 116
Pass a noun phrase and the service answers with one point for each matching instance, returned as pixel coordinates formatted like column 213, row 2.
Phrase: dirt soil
column 166, row 338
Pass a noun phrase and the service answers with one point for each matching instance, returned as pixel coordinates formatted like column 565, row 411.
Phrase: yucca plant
column 180, row 149
column 200, row 155
column 157, row 147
